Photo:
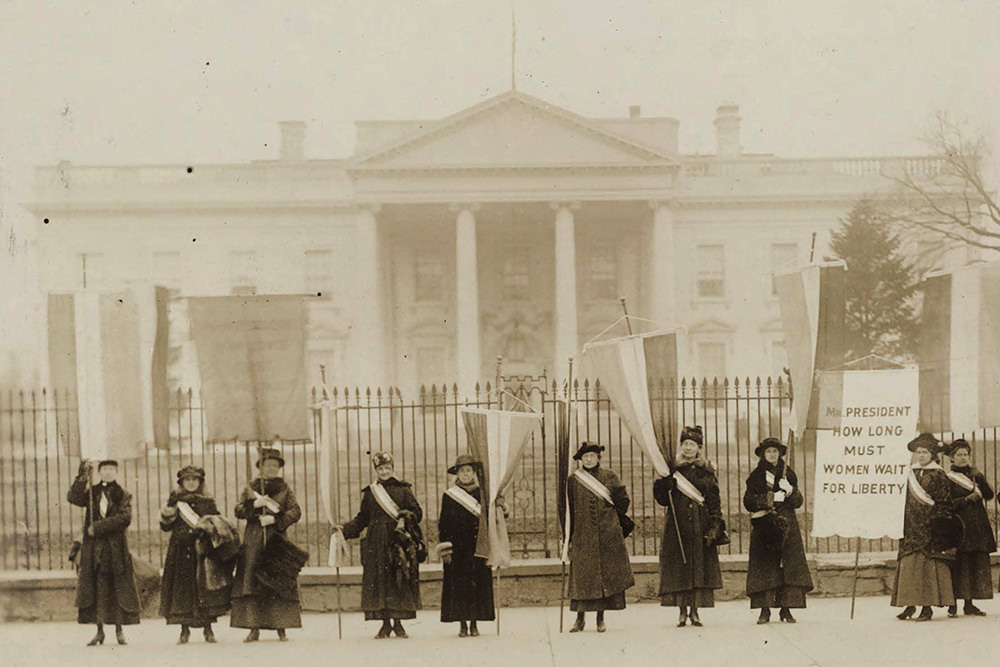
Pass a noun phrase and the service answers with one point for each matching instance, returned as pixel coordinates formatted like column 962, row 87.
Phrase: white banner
column 861, row 455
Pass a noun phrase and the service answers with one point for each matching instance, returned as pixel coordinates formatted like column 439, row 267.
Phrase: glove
column 84, row 469
column 779, row 496
column 785, row 485
column 267, row 520
column 168, row 512
column 259, row 501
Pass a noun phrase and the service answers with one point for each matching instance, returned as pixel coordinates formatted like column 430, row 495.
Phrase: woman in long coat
column 390, row 585
column 467, row 589
column 600, row 571
column 269, row 507
column 105, row 589
column 688, row 582
column 971, row 579
column 777, row 574
column 922, row 580
column 184, row 600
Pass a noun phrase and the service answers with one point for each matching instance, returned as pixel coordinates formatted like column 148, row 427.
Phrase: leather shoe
column 906, row 613
column 400, row 632
column 765, row 616
column 253, row 636
column 785, row 614
column 120, row 637
column 695, row 619
column 281, row 635
column 972, row 610
column 577, row 626
column 925, row 614
column 383, row 632
column 98, row 639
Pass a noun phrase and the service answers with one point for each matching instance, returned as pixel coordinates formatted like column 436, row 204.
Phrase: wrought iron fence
column 425, row 434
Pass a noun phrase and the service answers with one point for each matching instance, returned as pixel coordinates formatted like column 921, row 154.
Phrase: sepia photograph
column 505, row 332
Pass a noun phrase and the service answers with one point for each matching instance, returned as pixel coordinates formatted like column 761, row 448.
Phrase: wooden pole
column 562, row 563
column 336, row 494
column 854, row 589
column 812, row 248
column 497, row 598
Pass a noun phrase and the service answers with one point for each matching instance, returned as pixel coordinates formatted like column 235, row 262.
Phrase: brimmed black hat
column 925, row 441
column 693, row 433
column 770, row 442
column 267, row 454
column 587, row 447
column 960, row 443
column 381, row 458
column 462, row 460
column 107, row 462
column 190, row 471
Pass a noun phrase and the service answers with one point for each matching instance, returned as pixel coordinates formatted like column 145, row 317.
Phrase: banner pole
column 628, row 322
column 854, row 589
column 497, row 598
column 340, row 609
column 562, row 564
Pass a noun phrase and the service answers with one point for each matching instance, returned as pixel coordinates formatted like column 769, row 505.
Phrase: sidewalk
column 643, row 634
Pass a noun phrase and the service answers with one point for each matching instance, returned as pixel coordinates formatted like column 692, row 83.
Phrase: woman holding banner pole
column 970, row 575
column 777, row 573
column 689, row 566
column 923, row 575
column 600, row 571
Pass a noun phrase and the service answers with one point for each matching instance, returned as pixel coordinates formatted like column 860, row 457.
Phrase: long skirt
column 106, row 608
column 971, row 577
column 922, row 581
column 701, row 598
column 614, row 602
column 789, row 597
column 265, row 613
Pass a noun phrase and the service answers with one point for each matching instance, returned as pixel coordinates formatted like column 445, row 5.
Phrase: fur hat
column 268, row 454
column 381, row 458
column 960, row 443
column 692, row 433
column 770, row 442
column 925, row 441
column 462, row 460
column 190, row 471
column 586, row 448
column 107, row 462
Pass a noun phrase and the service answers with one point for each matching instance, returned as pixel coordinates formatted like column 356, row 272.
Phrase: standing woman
column 269, row 507
column 922, row 580
column 467, row 590
column 184, row 598
column 105, row 589
column 599, row 571
column 688, row 578
column 391, row 549
column 777, row 574
column 970, row 574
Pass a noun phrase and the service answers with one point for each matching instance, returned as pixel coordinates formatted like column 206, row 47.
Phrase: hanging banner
column 866, row 419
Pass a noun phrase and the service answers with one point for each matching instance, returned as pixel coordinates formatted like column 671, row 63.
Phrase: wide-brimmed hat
column 462, row 460
column 381, row 458
column 770, row 442
column 190, row 471
column 960, row 443
column 586, row 448
column 692, row 433
column 268, row 454
column 925, row 441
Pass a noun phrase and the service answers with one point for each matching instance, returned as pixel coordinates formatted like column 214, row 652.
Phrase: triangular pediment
column 711, row 326
column 508, row 131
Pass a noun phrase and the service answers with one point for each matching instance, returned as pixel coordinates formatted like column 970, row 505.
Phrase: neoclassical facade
column 509, row 228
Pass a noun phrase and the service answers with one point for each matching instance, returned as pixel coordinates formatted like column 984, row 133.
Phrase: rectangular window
column 711, row 272
column 602, row 273
column 515, row 274
column 428, row 276
column 784, row 256
column 319, row 272
column 244, row 267
column 91, row 270
column 167, row 269
column 712, row 361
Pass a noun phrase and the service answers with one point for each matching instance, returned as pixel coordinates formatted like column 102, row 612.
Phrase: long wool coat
column 385, row 591
column 278, row 611
column 773, row 565
column 917, row 515
column 971, row 510
column 467, row 589
column 108, row 547
column 695, row 523
column 599, row 563
column 184, row 596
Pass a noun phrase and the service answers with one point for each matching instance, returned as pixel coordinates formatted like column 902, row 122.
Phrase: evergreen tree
column 881, row 317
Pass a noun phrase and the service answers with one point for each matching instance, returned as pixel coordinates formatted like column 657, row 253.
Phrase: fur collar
column 115, row 492
column 272, row 486
column 392, row 481
column 699, row 462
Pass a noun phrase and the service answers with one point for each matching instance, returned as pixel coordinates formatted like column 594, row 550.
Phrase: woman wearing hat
column 689, row 569
column 777, row 574
column 184, row 600
column 600, row 571
column 922, row 580
column 390, row 549
column 971, row 579
column 269, row 507
column 105, row 589
column 467, row 590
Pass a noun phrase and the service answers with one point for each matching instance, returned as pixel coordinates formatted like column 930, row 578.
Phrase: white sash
column 384, row 500
column 685, row 486
column 465, row 499
column 918, row 490
column 269, row 502
column 593, row 485
column 187, row 513
column 962, row 480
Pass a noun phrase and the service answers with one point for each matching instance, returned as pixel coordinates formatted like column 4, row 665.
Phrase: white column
column 663, row 297
column 368, row 338
column 466, row 297
column 566, row 317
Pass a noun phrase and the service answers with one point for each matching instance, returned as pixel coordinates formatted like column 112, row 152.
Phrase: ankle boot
column 120, row 635
column 765, row 616
column 473, row 629
column 785, row 614
column 209, row 635
column 693, row 615
column 906, row 613
column 579, row 623
column 600, row 622
column 385, row 630
column 282, row 637
column 397, row 627
column 185, row 635
column 972, row 610
column 253, row 636
column 926, row 613
column 98, row 638
column 463, row 629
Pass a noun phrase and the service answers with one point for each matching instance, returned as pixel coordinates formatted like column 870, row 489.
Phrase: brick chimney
column 293, row 140
column 727, row 131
